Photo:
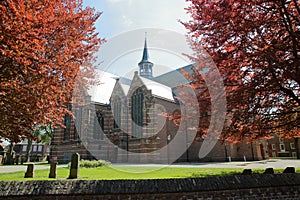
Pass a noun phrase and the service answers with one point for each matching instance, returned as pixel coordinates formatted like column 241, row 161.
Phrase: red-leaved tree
column 45, row 48
column 256, row 48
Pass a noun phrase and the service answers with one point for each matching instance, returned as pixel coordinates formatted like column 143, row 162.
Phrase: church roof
column 158, row 89
column 175, row 77
column 101, row 93
column 161, row 86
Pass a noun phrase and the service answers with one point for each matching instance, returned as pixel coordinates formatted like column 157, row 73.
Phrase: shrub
column 92, row 163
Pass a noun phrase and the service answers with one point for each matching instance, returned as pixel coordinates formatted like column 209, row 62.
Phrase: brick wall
column 256, row 186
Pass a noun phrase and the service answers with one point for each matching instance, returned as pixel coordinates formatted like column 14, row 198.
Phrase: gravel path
column 15, row 168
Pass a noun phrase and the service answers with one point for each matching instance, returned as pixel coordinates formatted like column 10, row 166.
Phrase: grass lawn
column 121, row 172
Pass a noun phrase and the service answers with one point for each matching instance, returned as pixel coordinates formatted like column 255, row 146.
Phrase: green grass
column 124, row 172
column 131, row 172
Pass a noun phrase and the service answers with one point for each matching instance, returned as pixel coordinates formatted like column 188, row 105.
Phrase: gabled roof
column 125, row 84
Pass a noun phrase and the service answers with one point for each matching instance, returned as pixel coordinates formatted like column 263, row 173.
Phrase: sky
column 125, row 15
column 123, row 24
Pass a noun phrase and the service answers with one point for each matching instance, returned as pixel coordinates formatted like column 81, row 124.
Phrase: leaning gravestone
column 52, row 173
column 29, row 172
column 74, row 170
column 269, row 171
column 247, row 172
column 289, row 170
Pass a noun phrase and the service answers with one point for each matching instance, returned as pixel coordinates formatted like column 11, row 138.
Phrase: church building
column 126, row 123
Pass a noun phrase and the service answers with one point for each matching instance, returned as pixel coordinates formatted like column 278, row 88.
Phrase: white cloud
column 127, row 22
column 133, row 14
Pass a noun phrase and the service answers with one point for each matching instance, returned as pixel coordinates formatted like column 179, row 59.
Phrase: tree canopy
column 256, row 47
column 45, row 48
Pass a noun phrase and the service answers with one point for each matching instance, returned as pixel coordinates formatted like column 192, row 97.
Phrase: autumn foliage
column 45, row 48
column 256, row 47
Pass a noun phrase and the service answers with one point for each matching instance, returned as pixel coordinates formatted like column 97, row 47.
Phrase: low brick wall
column 256, row 186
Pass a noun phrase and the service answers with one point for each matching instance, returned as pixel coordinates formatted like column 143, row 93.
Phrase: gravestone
column 269, row 171
column 52, row 173
column 74, row 169
column 289, row 170
column 247, row 171
column 29, row 172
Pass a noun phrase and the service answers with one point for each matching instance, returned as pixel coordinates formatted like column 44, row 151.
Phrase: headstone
column 269, row 171
column 74, row 170
column 52, row 173
column 247, row 171
column 29, row 172
column 289, row 170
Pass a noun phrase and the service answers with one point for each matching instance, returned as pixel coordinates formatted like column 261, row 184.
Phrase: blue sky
column 123, row 24
column 125, row 15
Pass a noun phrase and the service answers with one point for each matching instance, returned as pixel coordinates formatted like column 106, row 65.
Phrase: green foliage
column 215, row 172
column 92, row 163
column 44, row 133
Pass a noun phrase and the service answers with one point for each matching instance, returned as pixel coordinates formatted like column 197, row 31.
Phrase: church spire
column 145, row 65
column 145, row 52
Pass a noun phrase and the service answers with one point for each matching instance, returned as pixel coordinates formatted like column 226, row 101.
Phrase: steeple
column 145, row 65
column 145, row 52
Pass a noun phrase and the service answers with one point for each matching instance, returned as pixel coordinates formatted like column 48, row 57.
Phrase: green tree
column 43, row 133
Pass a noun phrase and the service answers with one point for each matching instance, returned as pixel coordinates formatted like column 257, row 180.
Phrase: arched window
column 137, row 106
column 117, row 112
column 98, row 126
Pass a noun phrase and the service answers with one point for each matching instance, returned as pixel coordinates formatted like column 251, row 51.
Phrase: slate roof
column 175, row 77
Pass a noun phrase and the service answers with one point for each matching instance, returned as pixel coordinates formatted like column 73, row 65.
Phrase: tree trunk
column 9, row 156
column 28, row 150
column 297, row 147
